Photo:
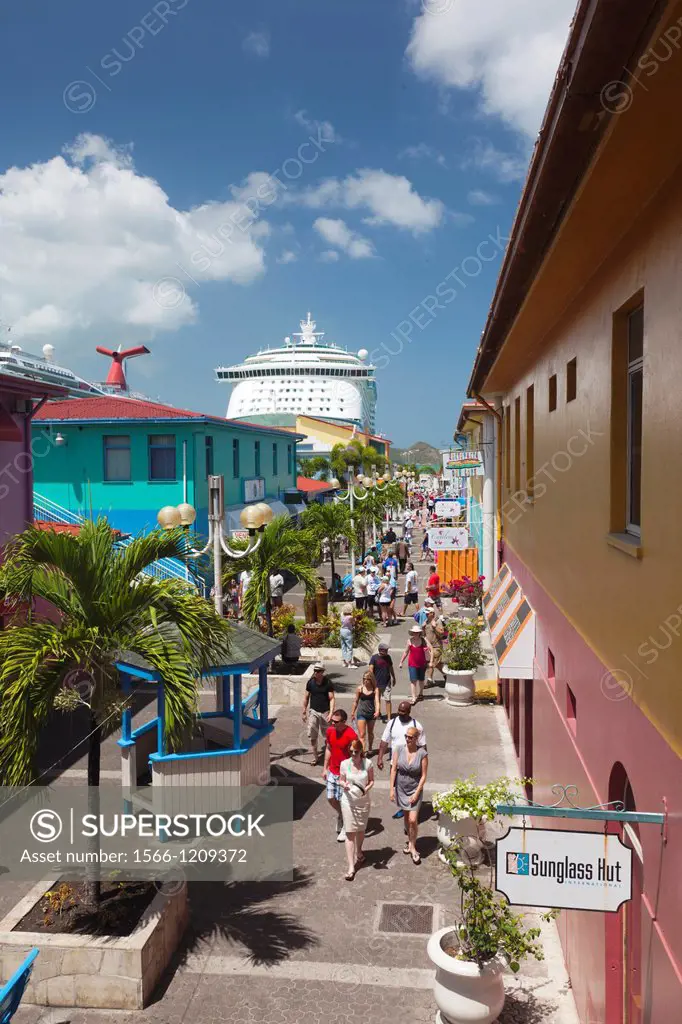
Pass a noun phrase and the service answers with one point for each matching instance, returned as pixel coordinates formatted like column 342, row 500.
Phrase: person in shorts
column 372, row 587
column 339, row 738
column 411, row 588
column 318, row 706
column 384, row 673
column 435, row 633
column 360, row 587
column 433, row 586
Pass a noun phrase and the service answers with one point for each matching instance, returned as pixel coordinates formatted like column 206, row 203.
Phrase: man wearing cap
column 384, row 673
column 423, row 613
column 318, row 706
column 435, row 633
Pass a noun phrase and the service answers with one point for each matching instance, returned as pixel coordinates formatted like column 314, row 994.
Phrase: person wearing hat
column 435, row 633
column 372, row 587
column 418, row 653
column 360, row 587
column 384, row 673
column 318, row 707
column 421, row 616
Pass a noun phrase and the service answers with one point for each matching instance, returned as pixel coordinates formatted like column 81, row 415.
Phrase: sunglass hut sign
column 562, row 868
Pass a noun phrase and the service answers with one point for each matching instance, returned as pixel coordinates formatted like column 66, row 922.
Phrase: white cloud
column 288, row 256
column 506, row 167
column 508, row 52
column 257, row 43
column 90, row 246
column 388, row 198
column 477, row 197
column 337, row 232
column 324, row 130
column 423, row 152
column 329, row 256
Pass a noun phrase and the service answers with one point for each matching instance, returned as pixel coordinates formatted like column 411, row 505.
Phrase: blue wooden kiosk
column 229, row 746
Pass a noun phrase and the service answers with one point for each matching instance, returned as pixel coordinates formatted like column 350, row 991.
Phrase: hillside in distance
column 420, row 453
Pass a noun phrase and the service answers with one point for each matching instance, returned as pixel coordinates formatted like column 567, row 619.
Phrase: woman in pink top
column 418, row 654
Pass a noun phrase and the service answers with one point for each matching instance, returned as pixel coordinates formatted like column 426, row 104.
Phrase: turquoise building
column 125, row 458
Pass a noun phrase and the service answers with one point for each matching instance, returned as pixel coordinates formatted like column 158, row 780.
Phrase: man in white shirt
column 411, row 588
column 360, row 587
column 372, row 587
column 277, row 589
column 394, row 734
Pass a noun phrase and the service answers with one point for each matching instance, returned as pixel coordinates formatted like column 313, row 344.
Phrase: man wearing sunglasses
column 339, row 738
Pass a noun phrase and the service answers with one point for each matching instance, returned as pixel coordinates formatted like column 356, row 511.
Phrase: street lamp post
column 351, row 496
column 253, row 518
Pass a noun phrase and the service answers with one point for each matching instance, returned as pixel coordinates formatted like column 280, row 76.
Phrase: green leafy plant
column 467, row 798
column 282, row 618
column 464, row 652
column 487, row 928
column 328, row 521
column 364, row 629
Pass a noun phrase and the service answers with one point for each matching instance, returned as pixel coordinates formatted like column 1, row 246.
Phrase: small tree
column 464, row 652
column 330, row 521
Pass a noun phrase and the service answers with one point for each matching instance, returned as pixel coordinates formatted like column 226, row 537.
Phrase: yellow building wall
column 331, row 434
column 621, row 605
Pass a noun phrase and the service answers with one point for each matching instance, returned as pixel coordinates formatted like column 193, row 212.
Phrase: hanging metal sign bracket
column 565, row 808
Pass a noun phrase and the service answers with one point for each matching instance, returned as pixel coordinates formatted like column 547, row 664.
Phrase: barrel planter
column 460, row 687
column 464, row 992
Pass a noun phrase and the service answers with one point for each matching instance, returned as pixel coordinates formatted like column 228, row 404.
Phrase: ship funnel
column 116, row 377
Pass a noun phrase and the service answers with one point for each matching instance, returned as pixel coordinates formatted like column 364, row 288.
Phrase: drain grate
column 406, row 918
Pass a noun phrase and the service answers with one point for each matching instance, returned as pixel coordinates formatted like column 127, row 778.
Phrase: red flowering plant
column 467, row 592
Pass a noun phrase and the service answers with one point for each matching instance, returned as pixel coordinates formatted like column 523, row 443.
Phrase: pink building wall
column 16, row 480
column 608, row 728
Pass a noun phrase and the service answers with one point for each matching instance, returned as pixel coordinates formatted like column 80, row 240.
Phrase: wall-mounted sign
column 448, row 509
column 254, row 490
column 537, row 867
column 493, row 617
column 462, row 463
column 448, row 538
column 239, row 534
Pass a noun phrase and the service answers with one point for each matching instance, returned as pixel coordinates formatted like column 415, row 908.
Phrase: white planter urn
column 463, row 834
column 460, row 687
column 465, row 993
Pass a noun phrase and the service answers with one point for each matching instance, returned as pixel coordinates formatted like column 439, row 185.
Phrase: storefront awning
column 511, row 622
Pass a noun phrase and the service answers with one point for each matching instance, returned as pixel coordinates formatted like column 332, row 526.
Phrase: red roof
column 114, row 407
column 304, row 483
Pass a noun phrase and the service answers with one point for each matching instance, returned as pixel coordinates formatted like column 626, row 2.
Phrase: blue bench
column 11, row 993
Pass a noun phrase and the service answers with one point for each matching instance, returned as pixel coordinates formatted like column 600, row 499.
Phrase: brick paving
column 307, row 951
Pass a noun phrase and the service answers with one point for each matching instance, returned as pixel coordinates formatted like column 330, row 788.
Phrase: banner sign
column 449, row 509
column 463, row 463
column 254, row 490
column 239, row 534
column 448, row 538
column 537, row 867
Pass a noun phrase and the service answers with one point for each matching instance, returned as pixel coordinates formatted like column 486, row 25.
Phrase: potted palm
column 471, row 955
column 463, row 655
column 464, row 808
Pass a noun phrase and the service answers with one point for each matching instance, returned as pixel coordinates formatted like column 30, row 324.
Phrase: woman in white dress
column 357, row 779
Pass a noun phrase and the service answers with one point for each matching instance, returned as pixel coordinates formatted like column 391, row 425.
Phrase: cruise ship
column 306, row 376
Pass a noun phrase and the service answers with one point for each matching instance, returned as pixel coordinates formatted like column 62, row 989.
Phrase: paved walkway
column 308, row 951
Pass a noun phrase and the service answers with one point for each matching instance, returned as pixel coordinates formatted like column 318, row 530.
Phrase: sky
column 196, row 176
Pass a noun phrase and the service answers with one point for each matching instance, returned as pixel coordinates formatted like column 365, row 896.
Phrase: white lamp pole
column 253, row 518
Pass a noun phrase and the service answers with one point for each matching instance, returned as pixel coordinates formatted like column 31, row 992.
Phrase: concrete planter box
column 91, row 970
column 282, row 689
column 332, row 655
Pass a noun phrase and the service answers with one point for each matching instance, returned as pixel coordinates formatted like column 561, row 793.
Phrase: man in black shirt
column 390, row 537
column 318, row 707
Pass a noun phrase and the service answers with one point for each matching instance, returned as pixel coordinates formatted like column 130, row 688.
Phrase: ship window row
column 291, row 371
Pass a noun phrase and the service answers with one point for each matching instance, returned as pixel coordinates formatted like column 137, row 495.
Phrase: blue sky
column 197, row 175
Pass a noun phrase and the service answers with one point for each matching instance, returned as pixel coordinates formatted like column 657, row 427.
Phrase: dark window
column 256, row 458
column 571, row 707
column 117, row 457
column 162, row 457
column 530, row 440
column 517, row 444
column 209, row 456
column 551, row 667
column 290, row 459
column 507, row 446
column 571, row 380
column 552, row 392
column 634, row 419
column 235, row 458
column 274, row 459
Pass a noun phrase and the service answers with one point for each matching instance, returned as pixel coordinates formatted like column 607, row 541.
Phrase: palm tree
column 106, row 606
column 330, row 521
column 283, row 548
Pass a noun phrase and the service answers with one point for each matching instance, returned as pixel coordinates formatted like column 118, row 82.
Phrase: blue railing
column 12, row 992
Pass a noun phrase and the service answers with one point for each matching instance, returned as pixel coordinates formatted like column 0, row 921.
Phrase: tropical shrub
column 463, row 652
column 468, row 799
column 364, row 629
column 466, row 591
column 487, row 928
column 282, row 618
